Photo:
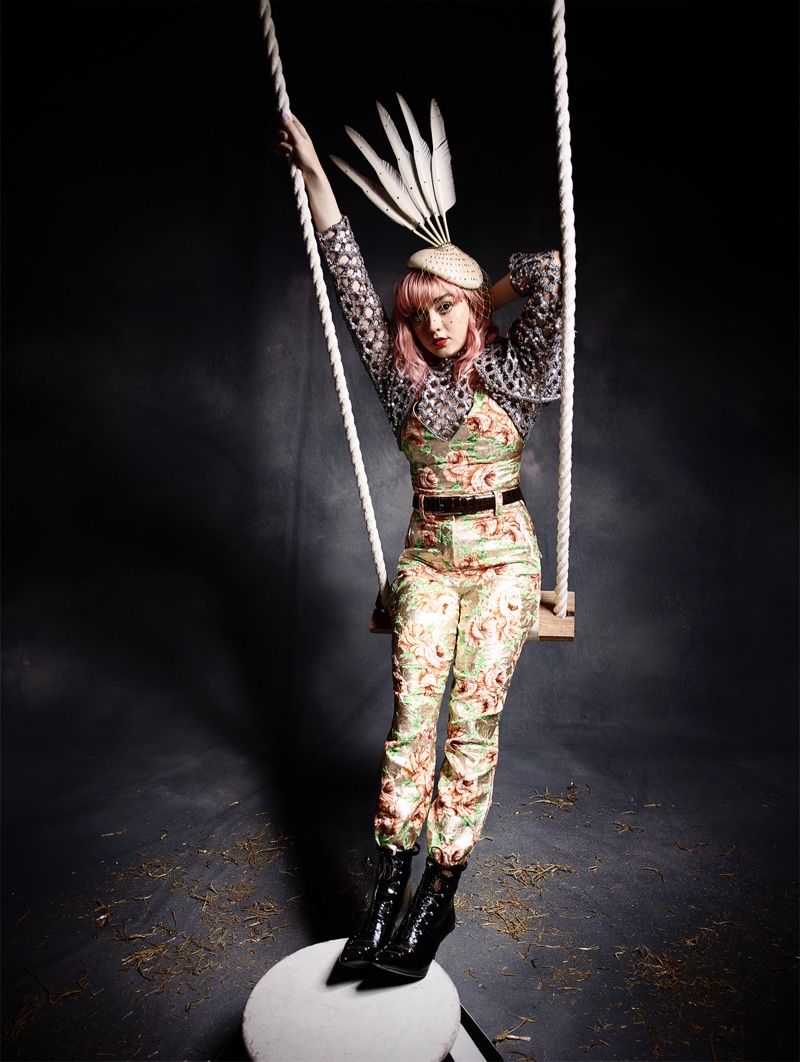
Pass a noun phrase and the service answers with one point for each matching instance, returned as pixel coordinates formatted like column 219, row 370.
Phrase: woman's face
column 441, row 327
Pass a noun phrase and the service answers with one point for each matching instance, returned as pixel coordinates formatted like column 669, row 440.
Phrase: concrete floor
column 627, row 902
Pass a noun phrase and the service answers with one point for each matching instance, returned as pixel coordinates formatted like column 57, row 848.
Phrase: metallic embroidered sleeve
column 529, row 369
column 366, row 319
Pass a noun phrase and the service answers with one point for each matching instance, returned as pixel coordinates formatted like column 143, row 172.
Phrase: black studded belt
column 448, row 505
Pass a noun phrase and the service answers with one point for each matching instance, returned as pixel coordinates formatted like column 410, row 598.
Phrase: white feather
column 390, row 179
column 444, row 188
column 379, row 197
column 422, row 160
column 405, row 163
column 418, row 194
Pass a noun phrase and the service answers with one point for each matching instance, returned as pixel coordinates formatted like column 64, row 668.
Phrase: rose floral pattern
column 482, row 457
column 467, row 591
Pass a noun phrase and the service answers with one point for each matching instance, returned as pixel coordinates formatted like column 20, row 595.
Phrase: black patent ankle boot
column 388, row 898
column 427, row 922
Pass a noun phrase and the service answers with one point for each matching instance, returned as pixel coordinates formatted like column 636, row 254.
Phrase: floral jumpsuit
column 467, row 588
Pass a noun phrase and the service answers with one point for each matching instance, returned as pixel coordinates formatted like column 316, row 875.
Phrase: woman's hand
column 502, row 293
column 293, row 143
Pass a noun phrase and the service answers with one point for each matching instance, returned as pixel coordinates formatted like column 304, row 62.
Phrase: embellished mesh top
column 521, row 372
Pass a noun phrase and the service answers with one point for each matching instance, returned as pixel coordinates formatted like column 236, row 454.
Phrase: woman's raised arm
column 294, row 144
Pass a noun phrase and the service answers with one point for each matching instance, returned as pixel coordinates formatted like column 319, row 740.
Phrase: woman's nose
column 434, row 320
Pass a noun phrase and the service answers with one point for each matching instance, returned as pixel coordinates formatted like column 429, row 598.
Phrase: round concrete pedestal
column 308, row 1009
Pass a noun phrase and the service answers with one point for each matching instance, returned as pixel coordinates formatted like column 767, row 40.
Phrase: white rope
column 567, row 306
column 310, row 241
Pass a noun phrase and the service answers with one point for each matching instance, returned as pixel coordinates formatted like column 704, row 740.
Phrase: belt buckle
column 422, row 506
column 498, row 502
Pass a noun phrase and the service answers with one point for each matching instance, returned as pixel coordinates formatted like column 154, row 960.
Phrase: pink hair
column 414, row 290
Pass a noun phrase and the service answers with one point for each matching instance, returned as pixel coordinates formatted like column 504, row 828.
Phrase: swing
column 556, row 621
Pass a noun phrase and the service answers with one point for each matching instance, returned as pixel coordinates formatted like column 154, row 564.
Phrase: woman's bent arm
column 503, row 292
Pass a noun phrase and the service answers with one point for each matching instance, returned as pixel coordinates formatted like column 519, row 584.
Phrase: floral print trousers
column 466, row 594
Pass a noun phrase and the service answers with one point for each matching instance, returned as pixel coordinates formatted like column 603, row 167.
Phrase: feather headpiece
column 418, row 193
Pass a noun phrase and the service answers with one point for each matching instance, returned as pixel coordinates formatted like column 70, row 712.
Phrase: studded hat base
column 450, row 263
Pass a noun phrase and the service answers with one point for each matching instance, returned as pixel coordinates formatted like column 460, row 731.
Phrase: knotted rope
column 318, row 277
column 567, row 306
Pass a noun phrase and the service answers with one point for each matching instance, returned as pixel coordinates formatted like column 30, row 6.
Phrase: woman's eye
column 445, row 307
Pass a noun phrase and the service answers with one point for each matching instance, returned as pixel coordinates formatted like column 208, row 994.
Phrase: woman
column 461, row 401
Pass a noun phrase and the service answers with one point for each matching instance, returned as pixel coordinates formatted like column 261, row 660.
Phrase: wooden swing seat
column 552, row 628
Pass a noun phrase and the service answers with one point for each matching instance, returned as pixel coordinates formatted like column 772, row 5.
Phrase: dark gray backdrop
column 187, row 579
